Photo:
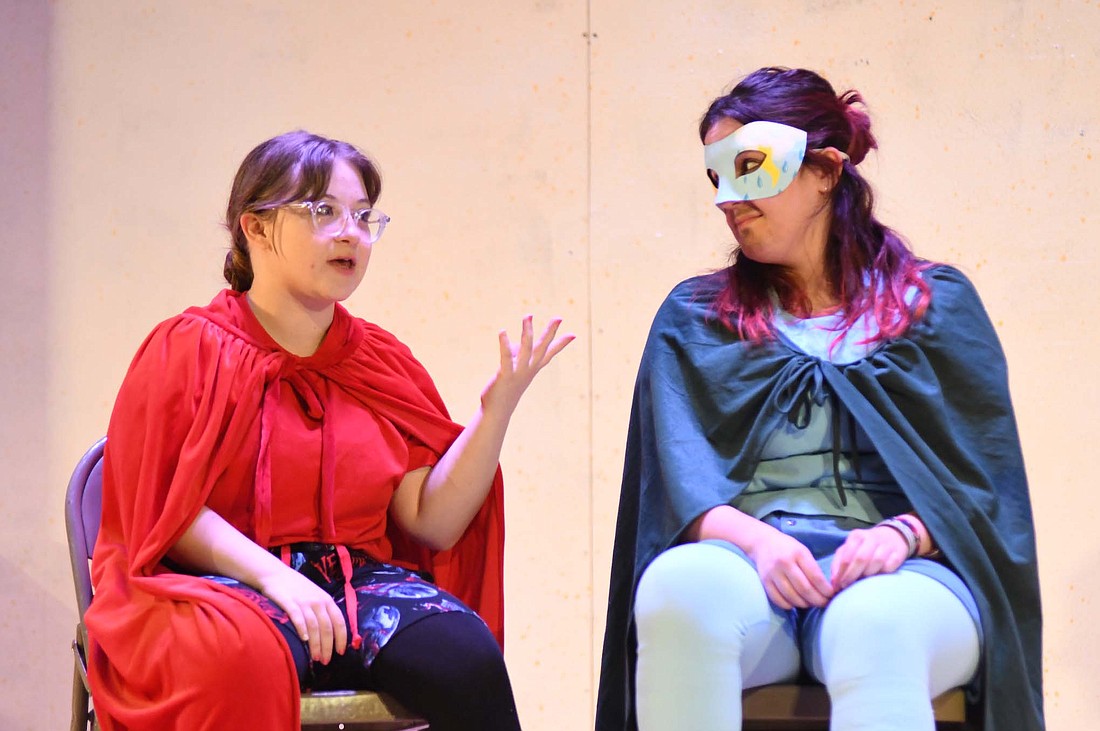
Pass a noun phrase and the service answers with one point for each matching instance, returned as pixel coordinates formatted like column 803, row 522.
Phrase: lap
column 703, row 576
column 389, row 599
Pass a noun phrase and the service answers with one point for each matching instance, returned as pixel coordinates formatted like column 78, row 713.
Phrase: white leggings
column 883, row 647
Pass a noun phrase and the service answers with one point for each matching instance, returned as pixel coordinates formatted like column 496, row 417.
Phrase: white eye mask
column 757, row 161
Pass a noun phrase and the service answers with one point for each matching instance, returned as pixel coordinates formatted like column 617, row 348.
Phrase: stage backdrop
column 539, row 157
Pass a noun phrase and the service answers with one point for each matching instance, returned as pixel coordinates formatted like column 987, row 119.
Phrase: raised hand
column 519, row 364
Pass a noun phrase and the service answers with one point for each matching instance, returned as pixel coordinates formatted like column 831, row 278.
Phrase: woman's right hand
column 314, row 614
column 790, row 575
column 212, row 545
column 787, row 569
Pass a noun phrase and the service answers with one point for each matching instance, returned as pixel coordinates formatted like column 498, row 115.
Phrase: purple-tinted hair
column 292, row 167
column 868, row 265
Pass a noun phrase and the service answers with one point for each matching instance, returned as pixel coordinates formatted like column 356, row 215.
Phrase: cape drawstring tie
column 350, row 598
column 308, row 387
column 803, row 387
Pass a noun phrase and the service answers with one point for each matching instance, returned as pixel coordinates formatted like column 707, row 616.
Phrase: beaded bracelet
column 906, row 532
column 934, row 553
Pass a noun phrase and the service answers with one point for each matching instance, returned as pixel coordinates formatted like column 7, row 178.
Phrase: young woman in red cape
column 287, row 503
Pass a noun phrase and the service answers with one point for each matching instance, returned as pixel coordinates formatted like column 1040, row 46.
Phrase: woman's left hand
column 868, row 552
column 436, row 506
column 520, row 364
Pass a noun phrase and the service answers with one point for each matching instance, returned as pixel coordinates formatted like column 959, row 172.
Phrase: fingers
column 796, row 590
column 799, row 584
column 526, row 341
column 532, row 354
column 867, row 553
column 320, row 625
column 506, row 362
column 809, row 583
column 298, row 620
column 340, row 629
column 556, row 347
column 777, row 596
column 320, row 640
column 818, row 591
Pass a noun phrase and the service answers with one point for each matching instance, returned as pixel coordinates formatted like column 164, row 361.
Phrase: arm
column 787, row 569
column 435, row 506
column 213, row 545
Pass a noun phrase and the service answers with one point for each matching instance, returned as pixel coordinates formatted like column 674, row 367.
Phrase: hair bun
column 859, row 124
column 238, row 270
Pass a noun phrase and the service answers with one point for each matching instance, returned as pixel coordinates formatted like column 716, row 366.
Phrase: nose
column 349, row 230
column 732, row 209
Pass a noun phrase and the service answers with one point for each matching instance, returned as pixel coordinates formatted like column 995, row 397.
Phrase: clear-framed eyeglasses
column 330, row 218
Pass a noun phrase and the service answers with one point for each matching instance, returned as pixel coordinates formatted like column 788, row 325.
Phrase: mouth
column 345, row 263
column 740, row 218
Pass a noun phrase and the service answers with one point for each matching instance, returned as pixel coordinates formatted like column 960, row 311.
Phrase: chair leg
column 80, row 700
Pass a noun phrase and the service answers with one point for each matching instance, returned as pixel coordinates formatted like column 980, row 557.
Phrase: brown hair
column 292, row 167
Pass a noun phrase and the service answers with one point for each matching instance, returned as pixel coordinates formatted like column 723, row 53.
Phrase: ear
column 257, row 229
column 837, row 158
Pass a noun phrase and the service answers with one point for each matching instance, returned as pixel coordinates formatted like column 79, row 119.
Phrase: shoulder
column 379, row 346
column 956, row 327
column 380, row 360
column 178, row 335
column 195, row 340
column 378, row 335
column 690, row 301
column 688, row 328
column 948, row 281
column 376, row 342
column 954, row 298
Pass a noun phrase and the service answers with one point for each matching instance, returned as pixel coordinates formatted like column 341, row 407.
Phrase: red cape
column 191, row 400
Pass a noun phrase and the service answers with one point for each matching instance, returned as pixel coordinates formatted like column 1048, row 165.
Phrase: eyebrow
column 326, row 196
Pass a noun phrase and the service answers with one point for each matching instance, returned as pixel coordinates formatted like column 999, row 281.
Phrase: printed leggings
column 419, row 644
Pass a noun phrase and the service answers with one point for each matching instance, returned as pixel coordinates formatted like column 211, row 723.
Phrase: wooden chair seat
column 805, row 707
column 356, row 710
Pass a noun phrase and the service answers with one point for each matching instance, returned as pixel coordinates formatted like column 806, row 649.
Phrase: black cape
column 935, row 404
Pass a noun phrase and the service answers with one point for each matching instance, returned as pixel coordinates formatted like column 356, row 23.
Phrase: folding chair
column 352, row 710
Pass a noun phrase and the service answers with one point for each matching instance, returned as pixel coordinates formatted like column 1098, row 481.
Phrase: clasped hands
column 792, row 578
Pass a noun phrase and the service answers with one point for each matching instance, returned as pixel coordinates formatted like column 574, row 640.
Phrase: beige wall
column 538, row 157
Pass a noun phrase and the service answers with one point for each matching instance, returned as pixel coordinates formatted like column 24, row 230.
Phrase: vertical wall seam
column 591, row 359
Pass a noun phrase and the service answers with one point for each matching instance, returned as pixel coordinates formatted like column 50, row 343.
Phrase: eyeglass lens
column 329, row 218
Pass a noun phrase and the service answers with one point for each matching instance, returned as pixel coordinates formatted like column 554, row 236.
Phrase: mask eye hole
column 748, row 161
column 713, row 178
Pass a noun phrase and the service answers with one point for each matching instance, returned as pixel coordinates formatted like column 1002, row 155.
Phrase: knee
column 700, row 590
column 449, row 668
column 863, row 640
column 452, row 653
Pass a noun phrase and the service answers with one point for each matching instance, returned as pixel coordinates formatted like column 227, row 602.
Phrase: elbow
column 432, row 537
column 439, row 541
